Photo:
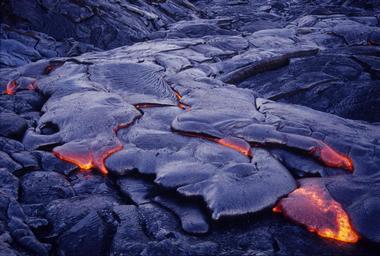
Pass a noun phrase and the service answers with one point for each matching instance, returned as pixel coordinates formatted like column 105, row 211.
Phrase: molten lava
column 236, row 144
column 11, row 88
column 312, row 206
column 332, row 158
column 179, row 98
column 78, row 155
column 87, row 155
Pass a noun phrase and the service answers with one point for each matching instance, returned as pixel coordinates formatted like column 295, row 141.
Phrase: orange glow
column 125, row 125
column 183, row 106
column 179, row 98
column 277, row 209
column 332, row 158
column 11, row 88
column 32, row 86
column 312, row 206
column 85, row 156
column 48, row 69
column 78, row 155
column 236, row 144
column 99, row 161
column 52, row 66
column 177, row 95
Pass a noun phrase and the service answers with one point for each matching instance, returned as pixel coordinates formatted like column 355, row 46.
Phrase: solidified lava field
column 190, row 127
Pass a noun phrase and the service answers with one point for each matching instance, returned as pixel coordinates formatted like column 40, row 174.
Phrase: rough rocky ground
column 184, row 140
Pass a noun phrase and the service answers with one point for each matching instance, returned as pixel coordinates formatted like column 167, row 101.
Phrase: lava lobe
column 332, row 158
column 312, row 206
column 88, row 154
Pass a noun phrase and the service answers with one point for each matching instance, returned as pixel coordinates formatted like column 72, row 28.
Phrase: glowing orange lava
column 78, row 155
column 277, row 209
column 11, row 88
column 236, row 144
column 179, row 98
column 178, row 95
column 312, row 206
column 332, row 158
column 99, row 161
column 85, row 155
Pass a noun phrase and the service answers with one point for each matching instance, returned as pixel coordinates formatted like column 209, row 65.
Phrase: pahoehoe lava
column 189, row 127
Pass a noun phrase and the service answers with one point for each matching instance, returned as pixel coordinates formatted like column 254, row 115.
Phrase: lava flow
column 11, row 88
column 332, row 158
column 312, row 206
column 87, row 155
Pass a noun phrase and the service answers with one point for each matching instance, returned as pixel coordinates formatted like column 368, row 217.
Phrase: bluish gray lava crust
column 175, row 127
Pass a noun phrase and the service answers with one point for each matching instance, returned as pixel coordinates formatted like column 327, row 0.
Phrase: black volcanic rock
column 192, row 219
column 7, row 163
column 103, row 24
column 9, row 183
column 63, row 214
column 129, row 237
column 43, row 187
column 12, row 125
column 89, row 235
column 22, row 46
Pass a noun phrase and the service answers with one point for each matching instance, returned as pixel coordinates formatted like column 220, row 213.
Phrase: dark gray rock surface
column 182, row 141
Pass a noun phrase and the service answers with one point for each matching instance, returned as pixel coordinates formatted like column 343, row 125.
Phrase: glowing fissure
column 11, row 88
column 234, row 143
column 51, row 67
column 179, row 98
column 311, row 205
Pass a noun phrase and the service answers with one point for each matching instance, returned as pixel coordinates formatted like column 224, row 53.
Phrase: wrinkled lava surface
column 189, row 127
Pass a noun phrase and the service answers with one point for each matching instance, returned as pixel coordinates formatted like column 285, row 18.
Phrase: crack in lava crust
column 179, row 98
column 312, row 206
column 234, row 143
column 10, row 88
